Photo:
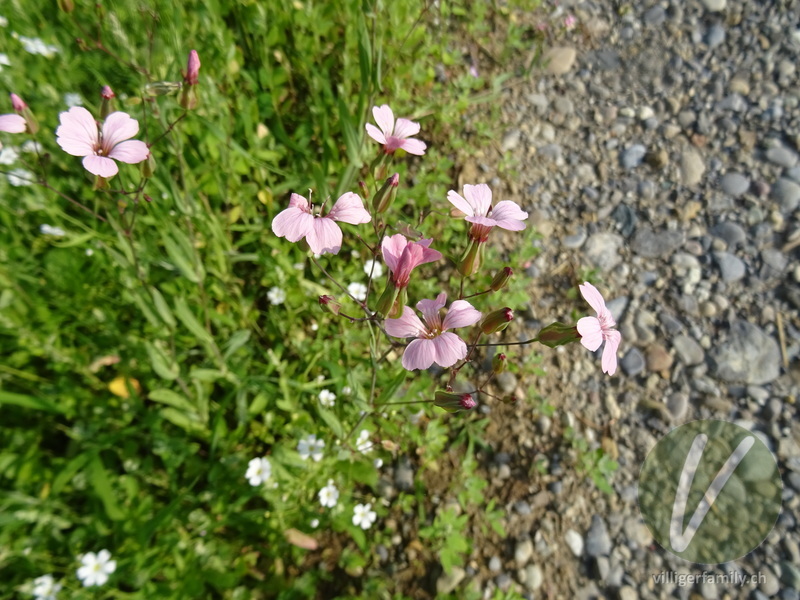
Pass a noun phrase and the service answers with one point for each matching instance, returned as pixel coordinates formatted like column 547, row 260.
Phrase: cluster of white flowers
column 96, row 568
column 31, row 147
column 36, row 46
column 4, row 62
column 373, row 267
column 3, row 21
column 71, row 100
column 8, row 156
column 363, row 443
column 310, row 447
column 20, row 177
column 276, row 295
column 364, row 516
column 45, row 588
column 358, row 291
column 46, row 229
column 329, row 495
column 327, row 398
column 259, row 471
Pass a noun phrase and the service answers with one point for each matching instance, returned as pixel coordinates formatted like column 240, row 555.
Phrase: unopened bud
column 107, row 93
column 472, row 259
column 149, row 166
column 363, row 190
column 499, row 363
column 188, row 99
column 147, row 198
column 389, row 445
column 558, row 334
column 387, row 299
column 107, row 104
column 66, row 6
column 501, row 279
column 454, row 402
column 162, row 88
column 18, row 104
column 510, row 399
column 497, row 320
column 192, row 68
column 386, row 195
column 329, row 304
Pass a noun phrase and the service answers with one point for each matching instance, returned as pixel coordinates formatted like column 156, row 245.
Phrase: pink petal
column 509, row 215
column 349, row 208
column 404, row 128
column 609, row 362
column 375, row 134
column 479, row 197
column 460, row 203
column 415, row 147
column 591, row 333
column 392, row 249
column 131, row 152
column 293, row 224
column 77, row 134
column 428, row 254
column 298, row 201
column 461, row 314
column 101, row 166
column 430, row 309
column 592, row 296
column 406, row 325
column 384, row 117
column 419, row 355
column 325, row 236
column 479, row 220
column 117, row 127
column 449, row 349
column 12, row 124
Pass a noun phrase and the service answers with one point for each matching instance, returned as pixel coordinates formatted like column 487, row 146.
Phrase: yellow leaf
column 119, row 387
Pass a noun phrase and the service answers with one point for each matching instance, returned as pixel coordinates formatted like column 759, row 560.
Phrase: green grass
column 144, row 364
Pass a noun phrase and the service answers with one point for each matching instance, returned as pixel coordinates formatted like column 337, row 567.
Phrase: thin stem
column 170, row 127
column 489, row 291
column 530, row 341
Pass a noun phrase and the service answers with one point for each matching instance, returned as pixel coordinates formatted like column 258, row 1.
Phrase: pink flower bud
column 497, row 320
column 558, row 334
column 499, row 363
column 107, row 93
column 454, row 402
column 192, row 68
column 501, row 279
column 329, row 304
column 17, row 103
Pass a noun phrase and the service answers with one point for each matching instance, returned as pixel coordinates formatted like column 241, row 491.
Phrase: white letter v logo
column 681, row 540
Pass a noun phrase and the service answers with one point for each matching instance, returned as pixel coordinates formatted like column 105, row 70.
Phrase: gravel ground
column 659, row 146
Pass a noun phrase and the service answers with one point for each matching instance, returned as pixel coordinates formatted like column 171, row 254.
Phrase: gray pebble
column 503, row 581
column 598, row 542
column 734, row 184
column 507, row 382
column 655, row 16
column 748, row 355
column 633, row 156
column 731, row 267
column 523, row 552
column 782, row 156
column 574, row 542
column 576, row 240
column 633, row 362
column 731, row 232
column 602, row 250
column 692, row 167
column 511, row 140
column 404, row 475
column 715, row 5
column 649, row 244
column 677, row 404
column 495, row 564
column 688, row 350
column 533, row 577
column 715, row 35
column 787, row 193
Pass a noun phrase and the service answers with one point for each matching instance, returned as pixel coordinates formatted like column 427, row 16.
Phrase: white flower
column 20, row 177
column 4, row 62
column 37, row 46
column 314, row 327
column 71, row 99
column 378, row 463
column 96, row 568
column 46, row 229
column 310, row 446
column 327, row 398
column 347, row 390
column 374, row 267
column 276, row 296
column 8, row 156
column 314, row 523
column 89, row 252
column 299, row 266
column 45, row 588
column 363, row 516
column 31, row 147
column 363, row 443
column 258, row 471
column 358, row 291
column 3, row 22
column 329, row 495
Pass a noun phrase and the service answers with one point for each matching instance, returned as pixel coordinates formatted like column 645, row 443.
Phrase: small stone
column 448, row 582
column 507, row 382
column 523, row 552
column 739, row 85
column 731, row 232
column 648, row 244
column 503, row 581
column 731, row 267
column 574, row 542
column 658, row 359
column 715, row 35
column 692, row 167
column 787, row 193
column 602, row 250
column 688, row 350
column 495, row 564
column 522, row 508
column 404, row 475
column 655, row 16
column 627, row 592
column 677, row 404
column 658, row 159
column 734, row 184
column 633, row 362
column 769, row 583
column 533, row 577
column 715, row 5
column 511, row 140
column 782, row 156
column 559, row 60
column 748, row 355
column 598, row 542
column 633, row 156
column 576, row 240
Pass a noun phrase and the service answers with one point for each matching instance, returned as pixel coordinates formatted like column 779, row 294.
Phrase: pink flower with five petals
column 402, row 257
column 434, row 344
column 394, row 135
column 78, row 135
column 476, row 204
column 596, row 330
column 322, row 233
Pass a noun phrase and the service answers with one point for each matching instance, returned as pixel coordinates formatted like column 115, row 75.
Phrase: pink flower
column 477, row 206
column 107, row 93
column 192, row 68
column 434, row 344
column 402, row 257
column 596, row 330
column 322, row 233
column 570, row 22
column 78, row 135
column 394, row 135
column 14, row 123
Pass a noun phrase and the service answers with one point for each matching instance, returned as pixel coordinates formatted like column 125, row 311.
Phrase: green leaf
column 163, row 365
column 29, row 402
column 332, row 421
column 100, row 482
column 190, row 321
column 189, row 423
column 180, row 254
column 238, row 339
column 393, row 386
column 163, row 308
column 174, row 399
column 68, row 472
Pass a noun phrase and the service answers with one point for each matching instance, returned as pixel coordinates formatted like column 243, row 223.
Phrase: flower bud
column 472, row 259
column 107, row 93
column 20, row 107
column 501, row 279
column 162, row 88
column 329, row 304
column 18, row 104
column 363, row 190
column 510, row 399
column 149, row 166
column 66, row 6
column 498, row 363
column 558, row 334
column 454, row 402
column 497, row 320
column 386, row 195
column 387, row 299
column 192, row 68
column 188, row 99
column 107, row 105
